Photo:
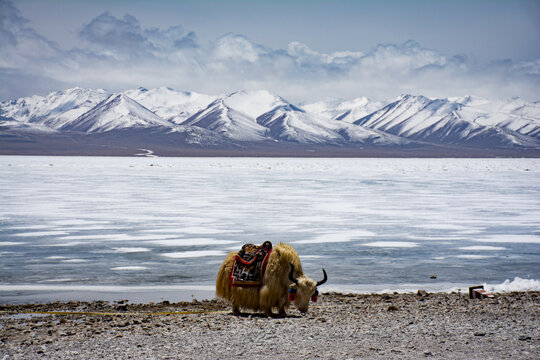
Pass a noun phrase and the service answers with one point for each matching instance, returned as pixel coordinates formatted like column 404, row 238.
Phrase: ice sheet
column 468, row 221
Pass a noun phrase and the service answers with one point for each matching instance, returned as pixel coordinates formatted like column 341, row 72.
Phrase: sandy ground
column 338, row 326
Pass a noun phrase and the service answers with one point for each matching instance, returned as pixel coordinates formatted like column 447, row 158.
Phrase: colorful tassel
column 292, row 294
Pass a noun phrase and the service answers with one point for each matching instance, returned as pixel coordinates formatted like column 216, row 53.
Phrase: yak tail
column 223, row 282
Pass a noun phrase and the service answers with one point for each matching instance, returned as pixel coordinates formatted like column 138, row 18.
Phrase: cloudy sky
column 302, row 50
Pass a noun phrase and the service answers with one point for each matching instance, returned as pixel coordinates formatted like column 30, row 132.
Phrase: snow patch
column 41, row 233
column 482, row 248
column 336, row 237
column 30, row 227
column 69, row 243
column 128, row 250
column 116, row 237
column 518, row 284
column 192, row 242
column 60, row 280
column 392, row 244
column 79, row 222
column 191, row 254
column 474, row 257
column 206, row 231
column 129, row 268
column 529, row 239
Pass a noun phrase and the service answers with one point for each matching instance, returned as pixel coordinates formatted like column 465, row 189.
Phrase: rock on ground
column 338, row 326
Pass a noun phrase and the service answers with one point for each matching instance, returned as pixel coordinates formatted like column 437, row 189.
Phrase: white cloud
column 119, row 53
column 401, row 59
column 21, row 44
column 126, row 38
column 312, row 60
column 234, row 47
column 528, row 67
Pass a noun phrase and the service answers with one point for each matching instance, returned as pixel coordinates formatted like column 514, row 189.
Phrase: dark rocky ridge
column 129, row 142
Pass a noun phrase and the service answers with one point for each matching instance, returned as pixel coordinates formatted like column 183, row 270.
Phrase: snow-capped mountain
column 253, row 103
column 55, row 110
column 234, row 116
column 246, row 118
column 260, row 116
column 228, row 122
column 440, row 121
column 118, row 111
column 290, row 123
column 345, row 110
column 172, row 105
column 514, row 115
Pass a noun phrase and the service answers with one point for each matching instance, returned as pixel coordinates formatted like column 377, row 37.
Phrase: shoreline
column 340, row 326
column 144, row 295
column 20, row 294
column 42, row 294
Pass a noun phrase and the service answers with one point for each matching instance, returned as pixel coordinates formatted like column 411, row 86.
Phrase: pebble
column 338, row 326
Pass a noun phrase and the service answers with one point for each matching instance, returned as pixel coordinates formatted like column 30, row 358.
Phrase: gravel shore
column 338, row 326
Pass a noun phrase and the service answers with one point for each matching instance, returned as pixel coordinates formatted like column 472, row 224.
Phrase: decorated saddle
column 250, row 264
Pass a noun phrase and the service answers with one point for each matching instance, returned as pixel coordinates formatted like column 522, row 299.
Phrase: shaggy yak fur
column 273, row 293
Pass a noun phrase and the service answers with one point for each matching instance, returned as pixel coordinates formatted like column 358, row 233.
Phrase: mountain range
column 164, row 121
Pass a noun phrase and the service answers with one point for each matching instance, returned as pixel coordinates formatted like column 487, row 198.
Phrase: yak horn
column 324, row 279
column 291, row 276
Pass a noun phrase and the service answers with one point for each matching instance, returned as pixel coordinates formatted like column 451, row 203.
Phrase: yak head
column 304, row 289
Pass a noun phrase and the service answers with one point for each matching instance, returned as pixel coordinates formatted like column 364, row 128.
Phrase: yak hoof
column 236, row 311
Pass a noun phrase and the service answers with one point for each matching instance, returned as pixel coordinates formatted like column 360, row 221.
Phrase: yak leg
column 268, row 311
column 264, row 301
column 282, row 308
column 235, row 308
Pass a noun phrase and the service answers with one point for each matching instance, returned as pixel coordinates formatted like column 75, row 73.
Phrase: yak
column 283, row 275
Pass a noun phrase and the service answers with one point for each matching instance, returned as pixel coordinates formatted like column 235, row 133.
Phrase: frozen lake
column 94, row 225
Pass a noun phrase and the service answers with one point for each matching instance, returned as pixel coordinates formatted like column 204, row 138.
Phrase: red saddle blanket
column 250, row 264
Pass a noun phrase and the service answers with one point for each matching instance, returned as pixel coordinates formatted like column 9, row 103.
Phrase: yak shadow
column 263, row 316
